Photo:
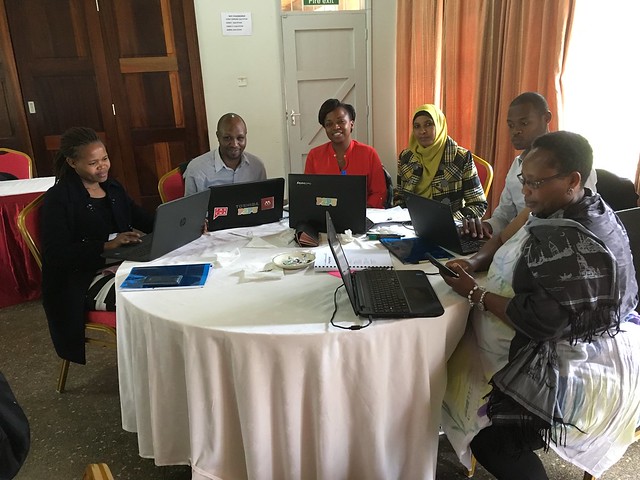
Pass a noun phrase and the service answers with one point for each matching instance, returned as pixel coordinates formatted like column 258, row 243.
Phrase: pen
column 378, row 236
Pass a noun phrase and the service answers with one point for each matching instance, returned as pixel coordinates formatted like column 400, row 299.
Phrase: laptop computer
column 414, row 250
column 384, row 293
column 177, row 223
column 433, row 221
column 246, row 204
column 344, row 196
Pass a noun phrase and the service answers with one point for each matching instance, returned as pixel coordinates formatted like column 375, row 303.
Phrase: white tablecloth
column 28, row 185
column 246, row 378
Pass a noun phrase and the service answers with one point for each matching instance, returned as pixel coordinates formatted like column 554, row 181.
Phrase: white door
column 325, row 56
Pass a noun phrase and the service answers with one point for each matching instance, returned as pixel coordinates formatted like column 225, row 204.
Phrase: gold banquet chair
column 16, row 163
column 102, row 323
column 485, row 173
column 97, row 471
column 171, row 185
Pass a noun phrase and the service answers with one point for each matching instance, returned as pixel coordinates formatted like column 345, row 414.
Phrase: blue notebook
column 167, row 276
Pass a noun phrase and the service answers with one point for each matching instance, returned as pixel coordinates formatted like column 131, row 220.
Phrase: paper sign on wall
column 236, row 23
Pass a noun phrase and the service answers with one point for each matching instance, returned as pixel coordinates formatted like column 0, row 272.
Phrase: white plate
column 294, row 260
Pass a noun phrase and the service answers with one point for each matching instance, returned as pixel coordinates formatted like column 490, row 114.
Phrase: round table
column 246, row 378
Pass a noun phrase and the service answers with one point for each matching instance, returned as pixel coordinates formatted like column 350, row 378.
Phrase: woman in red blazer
column 344, row 156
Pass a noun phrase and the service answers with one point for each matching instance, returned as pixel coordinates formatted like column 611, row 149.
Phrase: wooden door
column 130, row 70
column 14, row 132
column 58, row 72
column 154, row 70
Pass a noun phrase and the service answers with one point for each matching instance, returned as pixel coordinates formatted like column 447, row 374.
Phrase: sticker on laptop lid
column 326, row 201
column 220, row 212
column 247, row 210
column 267, row 203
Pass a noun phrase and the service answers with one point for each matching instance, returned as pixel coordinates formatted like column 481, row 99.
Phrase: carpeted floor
column 82, row 426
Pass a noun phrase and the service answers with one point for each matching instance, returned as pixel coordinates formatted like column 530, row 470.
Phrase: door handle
column 293, row 116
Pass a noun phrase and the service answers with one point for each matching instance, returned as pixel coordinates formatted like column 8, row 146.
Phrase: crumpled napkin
column 259, row 272
column 282, row 239
column 258, row 242
column 221, row 259
column 347, row 236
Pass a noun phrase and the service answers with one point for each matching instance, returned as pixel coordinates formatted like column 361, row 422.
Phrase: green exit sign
column 321, row 2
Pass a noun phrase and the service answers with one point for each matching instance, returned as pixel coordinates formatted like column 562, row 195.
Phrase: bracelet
column 480, row 303
column 475, row 287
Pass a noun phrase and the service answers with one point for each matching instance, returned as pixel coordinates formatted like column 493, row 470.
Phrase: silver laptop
column 433, row 221
column 176, row 223
column 379, row 293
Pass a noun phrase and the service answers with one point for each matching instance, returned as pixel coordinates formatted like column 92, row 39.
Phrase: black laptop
column 380, row 293
column 177, row 223
column 433, row 221
column 246, row 204
column 343, row 196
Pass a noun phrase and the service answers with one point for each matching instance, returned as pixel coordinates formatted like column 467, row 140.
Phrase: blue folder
column 167, row 276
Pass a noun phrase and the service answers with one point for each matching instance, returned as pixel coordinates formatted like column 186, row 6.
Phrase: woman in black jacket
column 84, row 214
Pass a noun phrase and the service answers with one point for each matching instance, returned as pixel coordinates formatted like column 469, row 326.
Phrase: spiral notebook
column 358, row 260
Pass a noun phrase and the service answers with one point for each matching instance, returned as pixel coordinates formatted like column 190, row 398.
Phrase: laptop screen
column 341, row 262
column 246, row 204
column 177, row 223
column 344, row 196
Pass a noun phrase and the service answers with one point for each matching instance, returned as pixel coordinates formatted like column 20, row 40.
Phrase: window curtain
column 471, row 58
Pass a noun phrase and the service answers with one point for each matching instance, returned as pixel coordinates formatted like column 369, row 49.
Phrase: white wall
column 259, row 58
column 256, row 57
column 383, row 84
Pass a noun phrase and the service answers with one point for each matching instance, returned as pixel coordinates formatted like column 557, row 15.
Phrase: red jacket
column 360, row 159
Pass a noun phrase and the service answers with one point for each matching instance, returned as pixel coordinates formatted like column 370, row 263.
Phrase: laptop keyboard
column 470, row 245
column 385, row 291
column 140, row 250
column 143, row 249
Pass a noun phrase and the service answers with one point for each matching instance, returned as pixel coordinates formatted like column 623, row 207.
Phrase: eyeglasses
column 536, row 184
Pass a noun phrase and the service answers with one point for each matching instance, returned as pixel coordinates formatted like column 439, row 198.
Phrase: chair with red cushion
column 485, row 173
column 96, row 322
column 16, row 163
column 171, row 185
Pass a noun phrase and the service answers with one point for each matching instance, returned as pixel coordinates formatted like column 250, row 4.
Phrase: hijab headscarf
column 429, row 157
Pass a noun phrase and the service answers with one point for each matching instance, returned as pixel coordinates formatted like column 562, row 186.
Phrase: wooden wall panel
column 129, row 69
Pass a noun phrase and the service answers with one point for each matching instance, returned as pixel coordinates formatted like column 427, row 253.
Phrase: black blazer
column 73, row 237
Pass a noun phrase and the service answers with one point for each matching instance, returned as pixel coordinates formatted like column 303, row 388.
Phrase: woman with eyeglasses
column 435, row 166
column 552, row 357
column 344, row 156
